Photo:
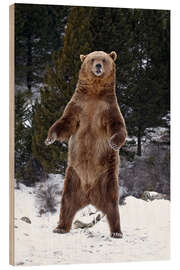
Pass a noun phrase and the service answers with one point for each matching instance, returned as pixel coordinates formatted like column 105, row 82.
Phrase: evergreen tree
column 112, row 31
column 147, row 94
column 39, row 30
column 28, row 170
column 23, row 134
column 59, row 84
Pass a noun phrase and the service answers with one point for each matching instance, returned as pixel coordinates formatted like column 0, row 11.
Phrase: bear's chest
column 92, row 114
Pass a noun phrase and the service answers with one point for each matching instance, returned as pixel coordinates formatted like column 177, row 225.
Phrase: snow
column 145, row 226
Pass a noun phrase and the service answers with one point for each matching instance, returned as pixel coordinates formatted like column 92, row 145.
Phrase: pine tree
column 39, row 30
column 145, row 98
column 59, row 83
column 23, row 134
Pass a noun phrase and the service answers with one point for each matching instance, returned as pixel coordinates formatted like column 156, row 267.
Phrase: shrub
column 47, row 197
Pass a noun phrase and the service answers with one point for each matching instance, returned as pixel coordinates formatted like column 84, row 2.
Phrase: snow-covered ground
column 145, row 226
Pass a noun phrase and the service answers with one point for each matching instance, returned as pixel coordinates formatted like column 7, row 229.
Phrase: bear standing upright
column 96, row 130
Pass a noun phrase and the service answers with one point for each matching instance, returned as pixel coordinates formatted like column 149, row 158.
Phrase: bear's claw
column 114, row 146
column 51, row 139
column 117, row 235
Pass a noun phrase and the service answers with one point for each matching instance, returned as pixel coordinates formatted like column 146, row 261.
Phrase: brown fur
column 95, row 127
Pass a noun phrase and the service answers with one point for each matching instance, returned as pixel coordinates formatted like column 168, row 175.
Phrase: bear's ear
column 113, row 55
column 82, row 57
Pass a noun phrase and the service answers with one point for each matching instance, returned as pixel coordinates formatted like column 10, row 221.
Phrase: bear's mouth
column 98, row 72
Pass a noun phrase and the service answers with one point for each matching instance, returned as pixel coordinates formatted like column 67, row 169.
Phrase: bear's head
column 98, row 64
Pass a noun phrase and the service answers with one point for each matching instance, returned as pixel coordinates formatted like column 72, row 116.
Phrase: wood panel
column 11, row 129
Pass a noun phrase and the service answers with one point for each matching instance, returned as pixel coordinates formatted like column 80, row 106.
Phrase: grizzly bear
column 95, row 128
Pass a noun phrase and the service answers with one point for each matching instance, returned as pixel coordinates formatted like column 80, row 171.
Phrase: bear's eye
column 104, row 60
column 92, row 60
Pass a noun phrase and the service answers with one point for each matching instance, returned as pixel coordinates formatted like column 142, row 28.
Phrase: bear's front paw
column 114, row 146
column 51, row 139
column 114, row 143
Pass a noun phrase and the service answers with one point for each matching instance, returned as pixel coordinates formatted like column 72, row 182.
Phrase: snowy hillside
column 145, row 227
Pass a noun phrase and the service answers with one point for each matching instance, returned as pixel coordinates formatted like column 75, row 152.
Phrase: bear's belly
column 89, row 156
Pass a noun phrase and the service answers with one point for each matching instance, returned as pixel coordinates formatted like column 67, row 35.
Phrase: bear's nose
column 98, row 66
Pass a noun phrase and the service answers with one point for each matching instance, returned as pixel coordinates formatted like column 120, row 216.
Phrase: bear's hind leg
column 106, row 198
column 73, row 199
column 113, row 218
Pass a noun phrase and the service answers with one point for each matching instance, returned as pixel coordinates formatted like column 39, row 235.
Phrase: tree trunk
column 29, row 62
column 139, row 150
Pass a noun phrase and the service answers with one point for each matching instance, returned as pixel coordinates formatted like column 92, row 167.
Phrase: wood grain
column 11, row 129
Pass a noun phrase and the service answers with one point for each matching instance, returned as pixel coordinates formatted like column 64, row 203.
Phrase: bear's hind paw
column 59, row 230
